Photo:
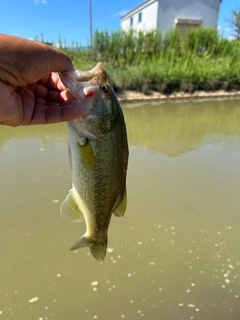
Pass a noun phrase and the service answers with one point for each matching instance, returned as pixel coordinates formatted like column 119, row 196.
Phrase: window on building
column 131, row 21
column 140, row 17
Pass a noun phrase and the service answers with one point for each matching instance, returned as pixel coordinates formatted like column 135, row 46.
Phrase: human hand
column 30, row 91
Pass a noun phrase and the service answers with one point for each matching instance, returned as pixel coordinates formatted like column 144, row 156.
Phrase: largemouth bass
column 98, row 156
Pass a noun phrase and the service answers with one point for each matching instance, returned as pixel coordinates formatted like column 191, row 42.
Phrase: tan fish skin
column 98, row 156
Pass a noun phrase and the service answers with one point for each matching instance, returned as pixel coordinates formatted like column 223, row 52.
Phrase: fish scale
column 98, row 156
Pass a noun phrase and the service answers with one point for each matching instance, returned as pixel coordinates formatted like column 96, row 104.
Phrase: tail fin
column 98, row 250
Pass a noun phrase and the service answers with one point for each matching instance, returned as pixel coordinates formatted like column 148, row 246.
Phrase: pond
column 175, row 254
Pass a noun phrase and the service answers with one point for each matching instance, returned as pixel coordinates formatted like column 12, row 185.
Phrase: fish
column 98, row 156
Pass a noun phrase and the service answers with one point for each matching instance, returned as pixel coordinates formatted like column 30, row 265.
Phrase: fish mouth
column 94, row 77
column 83, row 76
column 84, row 84
column 97, row 69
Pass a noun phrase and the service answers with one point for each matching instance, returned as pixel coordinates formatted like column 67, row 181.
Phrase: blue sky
column 69, row 19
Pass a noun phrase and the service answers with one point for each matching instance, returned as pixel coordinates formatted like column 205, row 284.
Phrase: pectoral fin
column 69, row 209
column 120, row 210
column 87, row 156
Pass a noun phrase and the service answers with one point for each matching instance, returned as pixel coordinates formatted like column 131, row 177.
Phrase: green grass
column 200, row 60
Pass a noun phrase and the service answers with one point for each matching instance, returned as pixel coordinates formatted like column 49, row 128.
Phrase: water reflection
column 175, row 254
column 175, row 129
column 172, row 129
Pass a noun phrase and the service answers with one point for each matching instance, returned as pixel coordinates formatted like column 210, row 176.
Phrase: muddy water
column 175, row 254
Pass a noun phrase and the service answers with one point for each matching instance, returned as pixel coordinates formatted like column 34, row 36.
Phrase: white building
column 169, row 14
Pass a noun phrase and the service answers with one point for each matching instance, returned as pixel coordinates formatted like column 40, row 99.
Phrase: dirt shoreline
column 134, row 96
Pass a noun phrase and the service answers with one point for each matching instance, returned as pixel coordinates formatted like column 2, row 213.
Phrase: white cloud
column 40, row 1
column 226, row 32
column 120, row 13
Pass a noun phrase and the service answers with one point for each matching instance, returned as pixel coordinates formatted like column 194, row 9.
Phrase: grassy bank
column 199, row 60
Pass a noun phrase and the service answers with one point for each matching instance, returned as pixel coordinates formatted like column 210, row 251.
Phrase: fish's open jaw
column 89, row 75
column 82, row 76
column 97, row 69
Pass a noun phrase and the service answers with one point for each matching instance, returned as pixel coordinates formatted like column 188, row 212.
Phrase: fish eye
column 104, row 88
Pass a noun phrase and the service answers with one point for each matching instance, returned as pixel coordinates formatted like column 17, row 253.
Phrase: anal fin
column 69, row 209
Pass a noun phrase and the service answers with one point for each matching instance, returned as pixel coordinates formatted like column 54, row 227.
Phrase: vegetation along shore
column 177, row 65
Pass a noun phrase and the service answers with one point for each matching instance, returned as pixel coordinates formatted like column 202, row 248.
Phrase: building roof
column 140, row 6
